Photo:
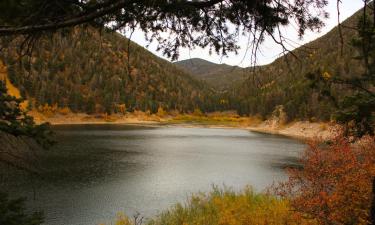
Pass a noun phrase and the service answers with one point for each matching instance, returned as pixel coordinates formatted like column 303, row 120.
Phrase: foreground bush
column 230, row 208
column 335, row 184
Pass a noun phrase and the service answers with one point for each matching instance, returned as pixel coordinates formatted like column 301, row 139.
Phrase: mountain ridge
column 87, row 70
column 284, row 82
column 218, row 76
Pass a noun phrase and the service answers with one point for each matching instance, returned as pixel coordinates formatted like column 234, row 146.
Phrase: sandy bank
column 300, row 130
column 82, row 118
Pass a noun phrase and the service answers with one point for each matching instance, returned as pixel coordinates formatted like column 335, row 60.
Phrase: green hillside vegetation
column 287, row 82
column 219, row 76
column 284, row 81
column 87, row 70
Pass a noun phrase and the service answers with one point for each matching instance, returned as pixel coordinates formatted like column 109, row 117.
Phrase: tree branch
column 92, row 13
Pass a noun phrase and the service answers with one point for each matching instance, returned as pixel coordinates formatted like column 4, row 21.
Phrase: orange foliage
column 121, row 108
column 64, row 111
column 226, row 207
column 334, row 186
column 197, row 112
column 161, row 112
column 48, row 110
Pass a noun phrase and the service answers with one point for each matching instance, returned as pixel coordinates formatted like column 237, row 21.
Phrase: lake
column 96, row 171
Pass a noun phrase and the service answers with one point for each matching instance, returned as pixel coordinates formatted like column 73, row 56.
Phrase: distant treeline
column 91, row 71
column 290, row 80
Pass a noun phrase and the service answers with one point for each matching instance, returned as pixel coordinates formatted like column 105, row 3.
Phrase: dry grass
column 226, row 207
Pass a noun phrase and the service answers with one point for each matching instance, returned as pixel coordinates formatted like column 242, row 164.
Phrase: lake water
column 96, row 171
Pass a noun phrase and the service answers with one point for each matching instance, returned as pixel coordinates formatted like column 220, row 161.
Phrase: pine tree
column 15, row 121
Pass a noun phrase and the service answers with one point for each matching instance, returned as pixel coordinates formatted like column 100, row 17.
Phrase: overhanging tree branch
column 92, row 13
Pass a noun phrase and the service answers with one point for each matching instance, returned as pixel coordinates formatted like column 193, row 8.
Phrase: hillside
column 284, row 81
column 87, row 70
column 218, row 76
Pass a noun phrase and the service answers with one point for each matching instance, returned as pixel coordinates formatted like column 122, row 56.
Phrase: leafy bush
column 48, row 110
column 15, row 121
column 334, row 186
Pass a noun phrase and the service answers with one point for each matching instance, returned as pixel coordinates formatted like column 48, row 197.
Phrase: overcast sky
column 269, row 50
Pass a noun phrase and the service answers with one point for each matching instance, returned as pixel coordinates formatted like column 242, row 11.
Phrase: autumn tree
column 15, row 121
column 334, row 185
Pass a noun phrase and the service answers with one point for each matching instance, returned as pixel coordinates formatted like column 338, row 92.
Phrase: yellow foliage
column 122, row 219
column 323, row 126
column 226, row 207
column 217, row 118
column 121, row 108
column 64, row 111
column 270, row 84
column 109, row 118
column 223, row 101
column 174, row 112
column 48, row 110
column 252, row 120
column 198, row 112
column 139, row 113
column 161, row 112
column 12, row 90
column 326, row 75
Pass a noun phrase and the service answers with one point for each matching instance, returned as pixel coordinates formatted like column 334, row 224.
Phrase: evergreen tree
column 355, row 110
column 15, row 121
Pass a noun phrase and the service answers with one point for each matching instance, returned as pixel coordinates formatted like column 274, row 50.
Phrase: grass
column 223, row 206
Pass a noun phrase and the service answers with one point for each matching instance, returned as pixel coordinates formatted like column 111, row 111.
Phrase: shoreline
column 302, row 130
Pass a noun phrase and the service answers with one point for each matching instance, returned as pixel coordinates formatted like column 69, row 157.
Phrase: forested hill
column 87, row 70
column 284, row 82
column 219, row 76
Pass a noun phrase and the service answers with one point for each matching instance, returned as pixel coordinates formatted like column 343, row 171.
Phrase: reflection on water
column 98, row 170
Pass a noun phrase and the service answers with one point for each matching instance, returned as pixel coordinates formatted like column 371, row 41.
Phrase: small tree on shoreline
column 15, row 121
